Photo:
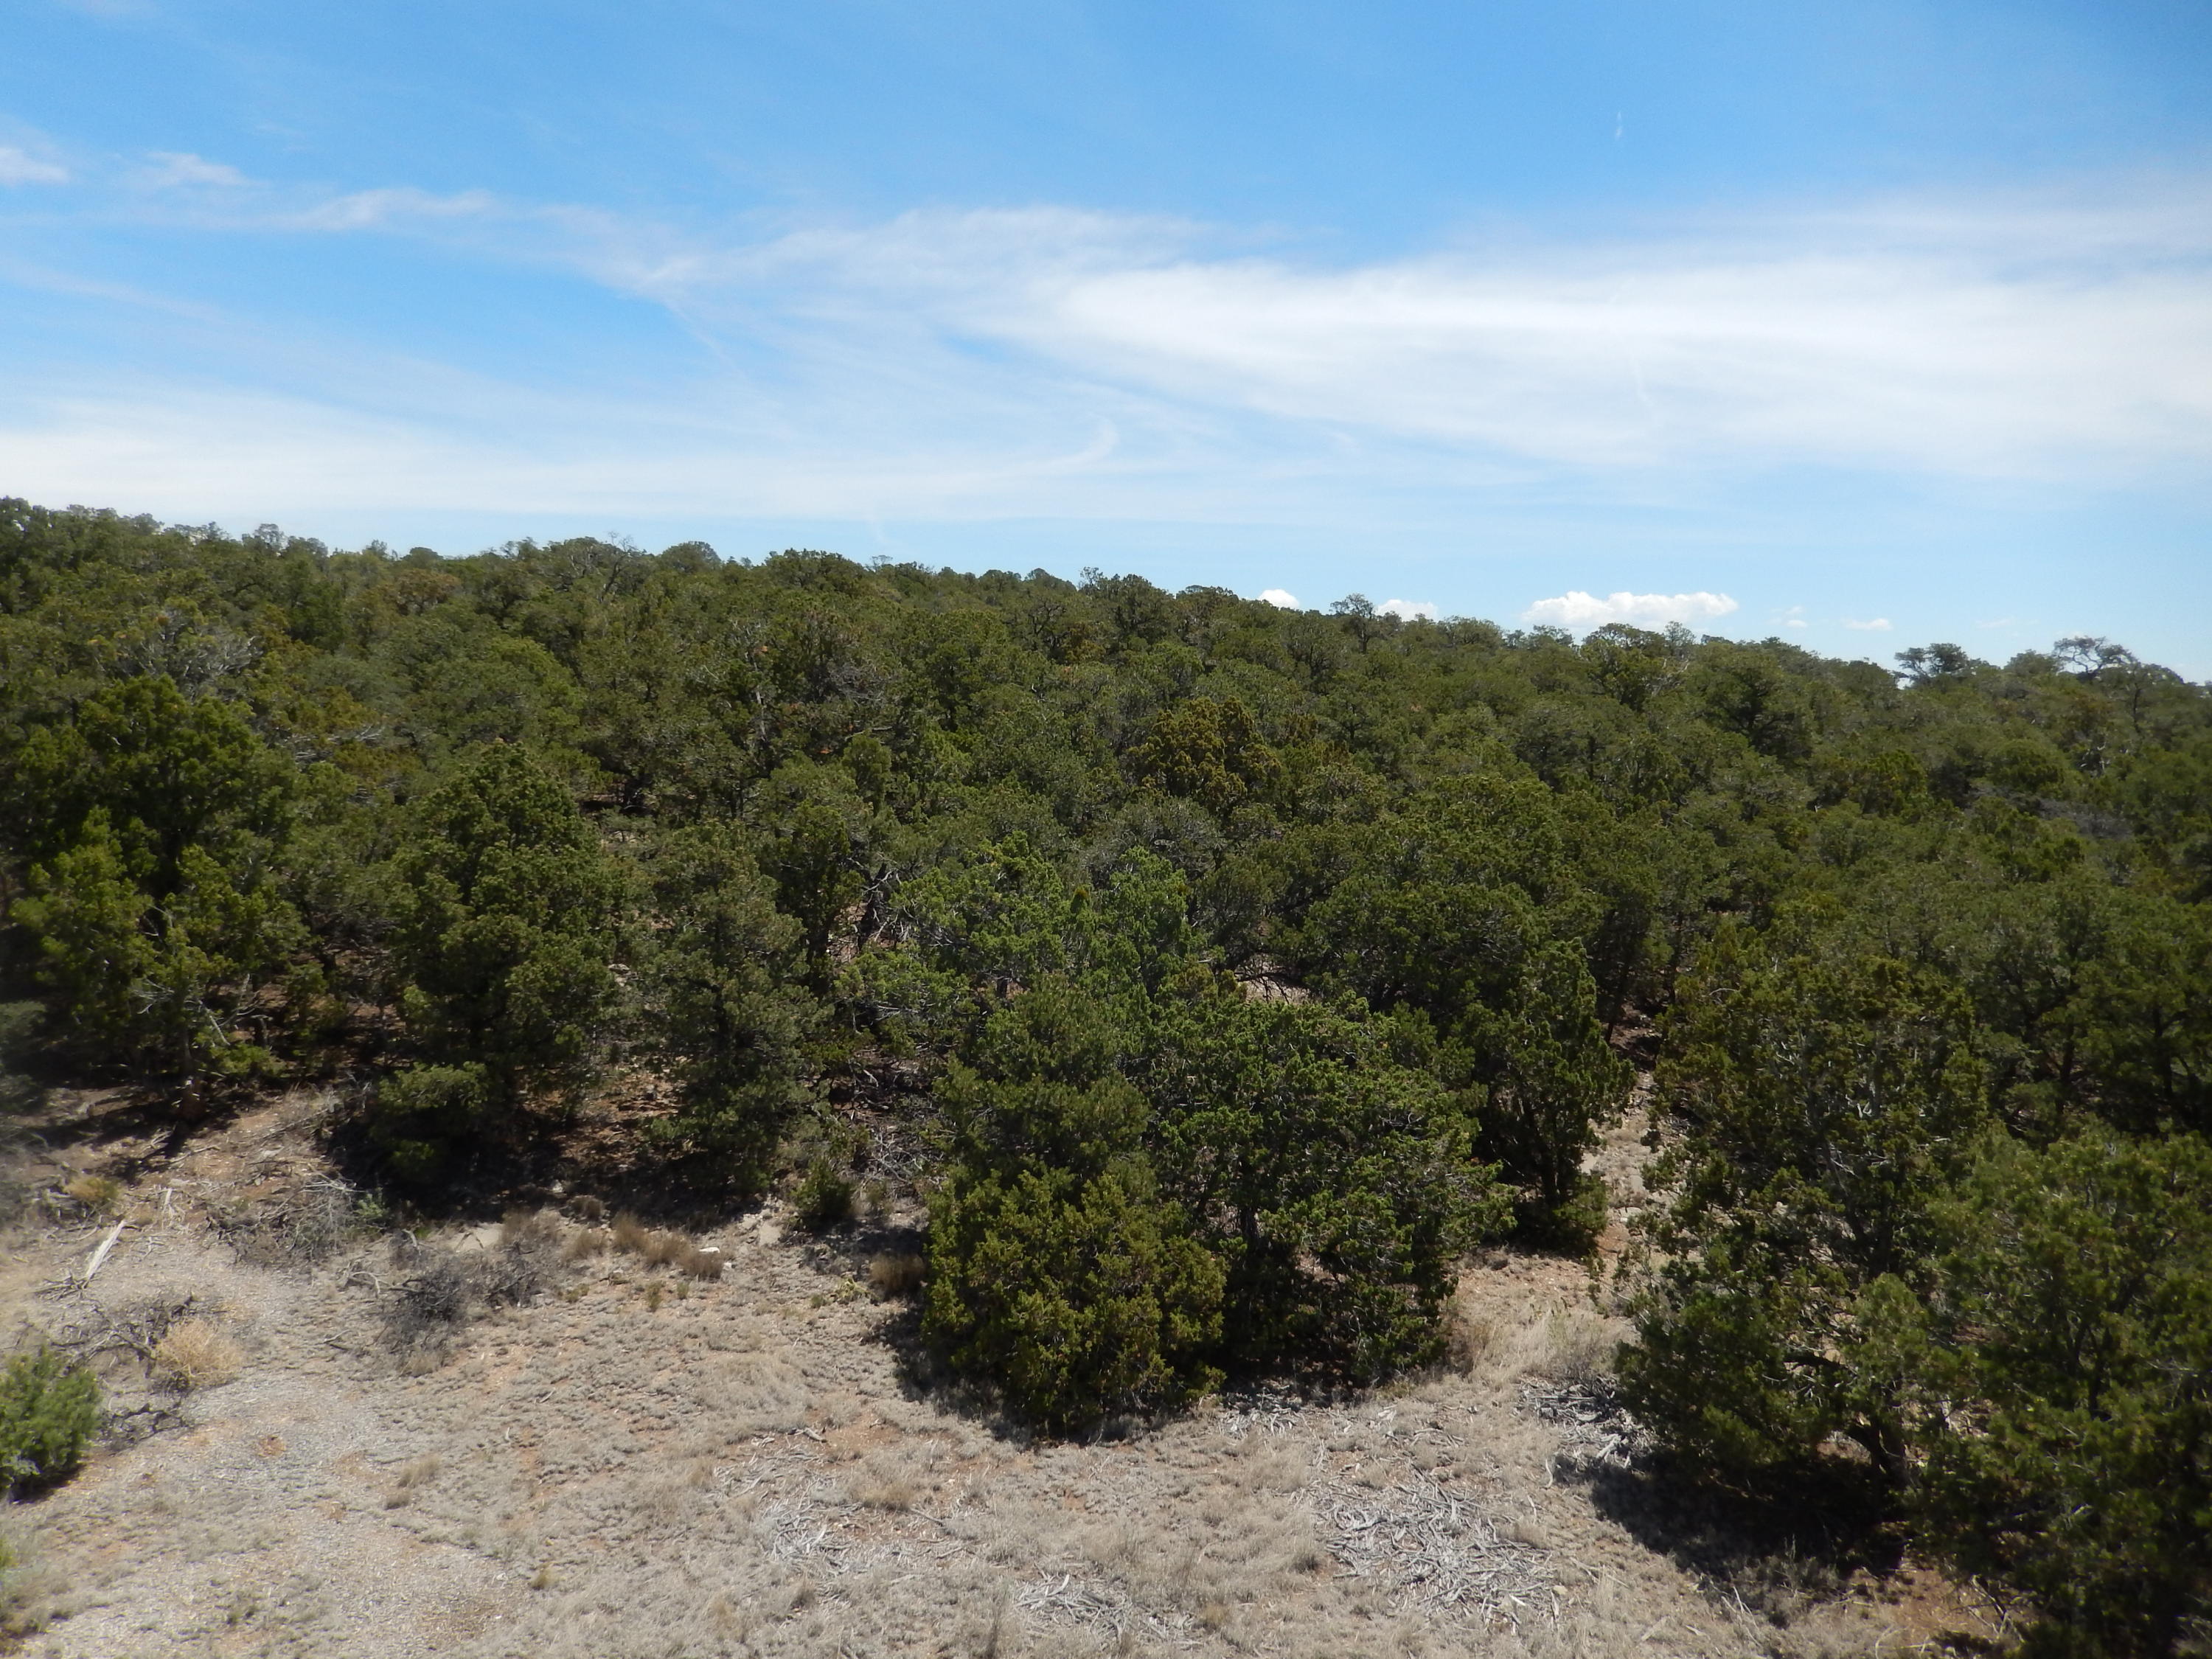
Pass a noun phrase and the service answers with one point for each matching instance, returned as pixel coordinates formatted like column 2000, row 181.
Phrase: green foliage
column 505, row 931
column 995, row 854
column 1337, row 1187
column 1288, row 1194
column 824, row 1197
column 1825, row 1099
column 49, row 1411
column 164, row 772
column 1057, row 1267
column 150, row 820
column 815, row 849
column 722, row 997
column 1558, row 1084
column 1211, row 751
column 2067, row 1427
column 1080, row 1296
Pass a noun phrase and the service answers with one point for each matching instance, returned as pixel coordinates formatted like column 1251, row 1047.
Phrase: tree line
column 1242, row 968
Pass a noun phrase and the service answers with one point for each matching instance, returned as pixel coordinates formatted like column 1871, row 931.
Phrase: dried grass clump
column 893, row 1275
column 101, row 1195
column 888, row 1480
column 529, row 1229
column 1576, row 1347
column 1470, row 1339
column 411, row 1479
column 584, row 1243
column 897, row 1496
column 699, row 1262
column 446, row 1290
column 662, row 1248
column 194, row 1355
column 1571, row 1343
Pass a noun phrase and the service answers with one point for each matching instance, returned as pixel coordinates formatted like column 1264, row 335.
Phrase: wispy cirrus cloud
column 1061, row 361
column 19, row 166
column 2061, row 336
column 171, row 169
column 2067, row 339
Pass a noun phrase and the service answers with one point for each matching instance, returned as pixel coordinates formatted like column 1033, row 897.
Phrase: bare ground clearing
column 641, row 1462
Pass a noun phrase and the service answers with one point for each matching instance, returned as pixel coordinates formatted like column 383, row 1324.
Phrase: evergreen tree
column 1825, row 1100
column 506, row 927
column 722, row 997
column 2068, row 1376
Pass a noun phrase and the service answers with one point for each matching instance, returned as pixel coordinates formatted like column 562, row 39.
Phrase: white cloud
column 1408, row 610
column 19, row 166
column 1050, row 363
column 1877, row 625
column 2004, row 337
column 376, row 210
column 174, row 169
column 1281, row 600
column 1991, row 339
column 1579, row 611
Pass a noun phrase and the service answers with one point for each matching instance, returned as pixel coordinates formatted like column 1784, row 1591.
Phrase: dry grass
column 1573, row 1343
column 412, row 1478
column 1576, row 1345
column 445, row 1291
column 753, row 1471
column 531, row 1229
column 893, row 1494
column 29, row 1590
column 893, row 1276
column 660, row 1248
column 102, row 1195
column 196, row 1355
column 698, row 1263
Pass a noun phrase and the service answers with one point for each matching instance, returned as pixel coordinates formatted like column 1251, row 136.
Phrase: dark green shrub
column 1080, row 1299
column 1338, row 1187
column 507, row 924
column 149, row 816
column 1827, row 1100
column 1556, row 1085
column 2068, row 1440
column 726, row 1007
column 1057, row 1269
column 421, row 1111
column 49, row 1408
column 824, row 1198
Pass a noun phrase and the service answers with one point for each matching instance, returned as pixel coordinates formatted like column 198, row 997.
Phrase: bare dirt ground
column 637, row 1461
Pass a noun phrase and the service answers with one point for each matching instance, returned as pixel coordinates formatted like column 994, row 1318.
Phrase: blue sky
column 1864, row 323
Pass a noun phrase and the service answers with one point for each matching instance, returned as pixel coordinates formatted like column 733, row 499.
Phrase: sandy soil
column 637, row 1463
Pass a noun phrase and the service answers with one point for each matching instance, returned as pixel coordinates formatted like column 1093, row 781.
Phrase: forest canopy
column 1237, row 969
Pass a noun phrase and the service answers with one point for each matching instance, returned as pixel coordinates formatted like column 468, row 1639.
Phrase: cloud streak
column 1580, row 612
column 2005, row 341
column 1052, row 362
column 180, row 169
column 19, row 166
